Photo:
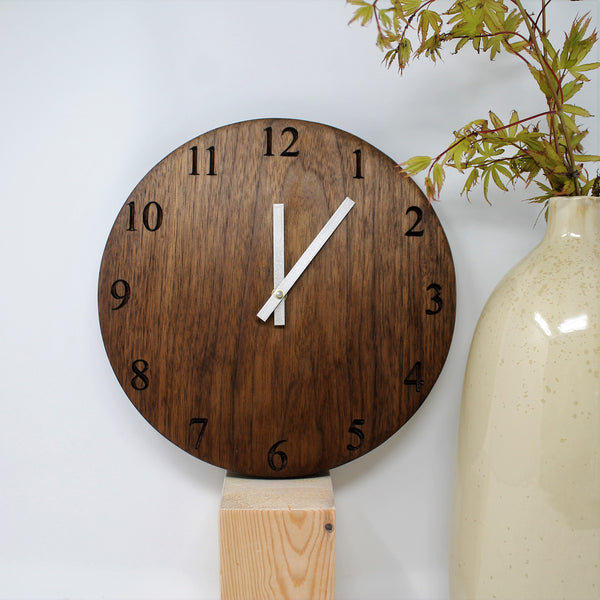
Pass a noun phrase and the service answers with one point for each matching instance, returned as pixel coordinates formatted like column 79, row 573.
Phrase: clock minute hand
column 288, row 281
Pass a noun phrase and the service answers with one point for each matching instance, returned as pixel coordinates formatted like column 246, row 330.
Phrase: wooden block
column 277, row 539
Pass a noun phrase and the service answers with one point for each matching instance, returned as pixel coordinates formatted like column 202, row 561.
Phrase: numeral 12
column 288, row 151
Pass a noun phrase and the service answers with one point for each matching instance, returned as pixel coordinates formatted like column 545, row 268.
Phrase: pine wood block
column 277, row 539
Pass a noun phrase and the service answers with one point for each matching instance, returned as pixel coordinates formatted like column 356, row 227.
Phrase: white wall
column 93, row 502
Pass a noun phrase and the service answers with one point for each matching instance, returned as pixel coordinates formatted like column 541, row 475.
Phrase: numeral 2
column 413, row 231
column 288, row 151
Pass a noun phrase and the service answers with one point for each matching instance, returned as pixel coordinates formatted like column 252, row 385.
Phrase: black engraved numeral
column 269, row 149
column 211, row 160
column 131, row 206
column 277, row 459
column 203, row 423
column 415, row 377
column 140, row 379
column 121, row 291
column 358, row 171
column 194, row 151
column 359, row 433
column 413, row 231
column 157, row 219
column 437, row 298
column 288, row 151
column 152, row 216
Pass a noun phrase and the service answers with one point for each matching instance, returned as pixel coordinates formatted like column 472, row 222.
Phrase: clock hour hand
column 288, row 281
column 278, row 260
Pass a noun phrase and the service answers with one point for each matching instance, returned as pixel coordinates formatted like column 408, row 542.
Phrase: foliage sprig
column 544, row 148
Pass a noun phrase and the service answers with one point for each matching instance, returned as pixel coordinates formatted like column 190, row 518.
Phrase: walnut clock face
column 318, row 232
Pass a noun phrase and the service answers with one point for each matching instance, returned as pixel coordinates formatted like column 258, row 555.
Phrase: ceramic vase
column 526, row 509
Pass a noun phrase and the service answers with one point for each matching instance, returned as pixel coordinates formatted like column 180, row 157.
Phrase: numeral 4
column 415, row 377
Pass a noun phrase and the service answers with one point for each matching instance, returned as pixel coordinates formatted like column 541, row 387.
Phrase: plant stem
column 490, row 131
column 554, row 86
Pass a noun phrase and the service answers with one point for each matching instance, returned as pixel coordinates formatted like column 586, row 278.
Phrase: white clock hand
column 278, row 260
column 288, row 281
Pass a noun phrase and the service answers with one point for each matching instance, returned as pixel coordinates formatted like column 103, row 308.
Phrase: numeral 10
column 152, row 216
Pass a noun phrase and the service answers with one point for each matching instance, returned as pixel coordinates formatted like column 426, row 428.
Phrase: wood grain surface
column 189, row 262
column 277, row 539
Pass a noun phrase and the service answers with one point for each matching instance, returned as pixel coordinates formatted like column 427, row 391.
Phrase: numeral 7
column 202, row 423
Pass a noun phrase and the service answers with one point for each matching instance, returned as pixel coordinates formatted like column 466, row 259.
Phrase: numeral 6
column 280, row 455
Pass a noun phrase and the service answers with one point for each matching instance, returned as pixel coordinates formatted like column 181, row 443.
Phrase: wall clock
column 275, row 297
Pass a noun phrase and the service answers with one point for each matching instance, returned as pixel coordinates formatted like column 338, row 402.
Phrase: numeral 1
column 269, row 149
column 358, row 171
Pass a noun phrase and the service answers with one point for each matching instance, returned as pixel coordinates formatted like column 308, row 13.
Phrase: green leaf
column 430, row 189
column 570, row 124
column 416, row 164
column 471, row 181
column 496, row 122
column 540, row 79
column 364, row 14
column 570, row 89
column 438, row 176
column 409, row 7
column 587, row 158
column 514, row 118
column 576, row 110
column 428, row 19
column 497, row 180
column 404, row 51
column 587, row 67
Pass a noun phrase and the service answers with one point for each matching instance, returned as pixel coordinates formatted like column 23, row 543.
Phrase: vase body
column 526, row 509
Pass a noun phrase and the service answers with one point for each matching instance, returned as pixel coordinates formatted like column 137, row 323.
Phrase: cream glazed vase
column 526, row 511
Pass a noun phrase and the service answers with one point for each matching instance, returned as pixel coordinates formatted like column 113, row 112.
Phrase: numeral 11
column 211, row 160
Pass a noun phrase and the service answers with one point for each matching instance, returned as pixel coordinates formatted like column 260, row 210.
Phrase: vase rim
column 574, row 198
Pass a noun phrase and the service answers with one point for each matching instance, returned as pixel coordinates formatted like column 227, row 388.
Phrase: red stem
column 487, row 131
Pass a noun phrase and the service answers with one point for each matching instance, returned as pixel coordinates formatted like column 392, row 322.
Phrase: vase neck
column 573, row 217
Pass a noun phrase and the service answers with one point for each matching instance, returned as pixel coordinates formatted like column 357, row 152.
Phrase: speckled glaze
column 526, row 511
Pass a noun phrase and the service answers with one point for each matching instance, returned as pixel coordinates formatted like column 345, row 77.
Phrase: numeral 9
column 120, row 290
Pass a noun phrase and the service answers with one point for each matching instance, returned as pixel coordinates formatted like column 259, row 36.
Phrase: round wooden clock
column 276, row 298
